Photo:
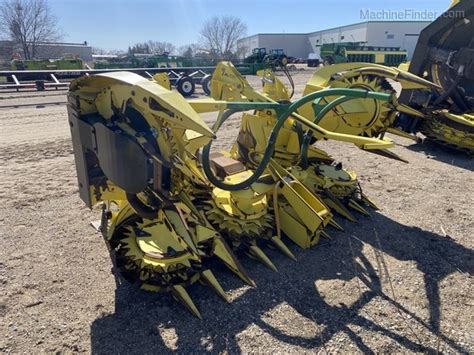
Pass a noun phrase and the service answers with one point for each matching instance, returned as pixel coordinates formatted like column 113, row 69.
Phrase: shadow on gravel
column 142, row 320
column 444, row 154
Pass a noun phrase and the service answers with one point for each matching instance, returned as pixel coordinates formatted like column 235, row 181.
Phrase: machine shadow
column 145, row 322
column 444, row 154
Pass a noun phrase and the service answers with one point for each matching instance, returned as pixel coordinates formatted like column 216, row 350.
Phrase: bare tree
column 219, row 36
column 139, row 48
column 118, row 52
column 189, row 50
column 28, row 22
column 160, row 47
column 241, row 52
column 97, row 50
column 152, row 47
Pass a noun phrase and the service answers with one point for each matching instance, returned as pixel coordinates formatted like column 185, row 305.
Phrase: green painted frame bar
column 284, row 111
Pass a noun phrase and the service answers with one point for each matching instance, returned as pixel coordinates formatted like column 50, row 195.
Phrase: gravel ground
column 397, row 281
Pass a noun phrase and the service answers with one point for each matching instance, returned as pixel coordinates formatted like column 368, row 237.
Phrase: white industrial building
column 403, row 34
column 48, row 50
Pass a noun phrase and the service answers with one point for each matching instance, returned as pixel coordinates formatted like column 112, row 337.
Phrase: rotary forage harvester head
column 170, row 204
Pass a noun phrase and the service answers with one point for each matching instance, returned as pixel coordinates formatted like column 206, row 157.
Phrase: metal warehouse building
column 49, row 50
column 403, row 34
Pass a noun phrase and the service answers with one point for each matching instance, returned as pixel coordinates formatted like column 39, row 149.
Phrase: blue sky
column 116, row 24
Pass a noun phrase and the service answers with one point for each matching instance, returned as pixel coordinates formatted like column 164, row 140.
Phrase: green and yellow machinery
column 257, row 56
column 261, row 55
column 184, row 73
column 170, row 204
column 261, row 59
column 348, row 52
column 445, row 55
column 66, row 64
column 437, row 97
column 153, row 61
column 47, row 64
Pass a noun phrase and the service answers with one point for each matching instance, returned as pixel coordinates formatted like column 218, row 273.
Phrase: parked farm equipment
column 170, row 204
column 185, row 79
column 335, row 53
column 437, row 96
column 445, row 55
column 166, row 212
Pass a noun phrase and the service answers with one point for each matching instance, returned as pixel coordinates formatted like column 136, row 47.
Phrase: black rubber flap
column 121, row 159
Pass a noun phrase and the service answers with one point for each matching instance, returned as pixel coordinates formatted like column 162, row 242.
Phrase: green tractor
column 261, row 59
column 257, row 56
column 276, row 56
column 261, row 56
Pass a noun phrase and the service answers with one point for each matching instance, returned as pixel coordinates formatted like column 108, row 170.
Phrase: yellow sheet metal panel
column 295, row 230
column 380, row 58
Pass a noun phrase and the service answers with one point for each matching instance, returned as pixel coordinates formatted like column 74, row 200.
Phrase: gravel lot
column 397, row 281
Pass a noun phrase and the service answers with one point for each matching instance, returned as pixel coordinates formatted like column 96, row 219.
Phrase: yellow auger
column 165, row 212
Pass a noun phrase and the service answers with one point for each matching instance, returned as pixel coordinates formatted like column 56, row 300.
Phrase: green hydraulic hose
column 319, row 113
column 287, row 111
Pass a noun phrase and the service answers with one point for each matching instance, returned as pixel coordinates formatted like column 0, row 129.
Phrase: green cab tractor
column 261, row 59
column 261, row 56
column 276, row 56
column 257, row 56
